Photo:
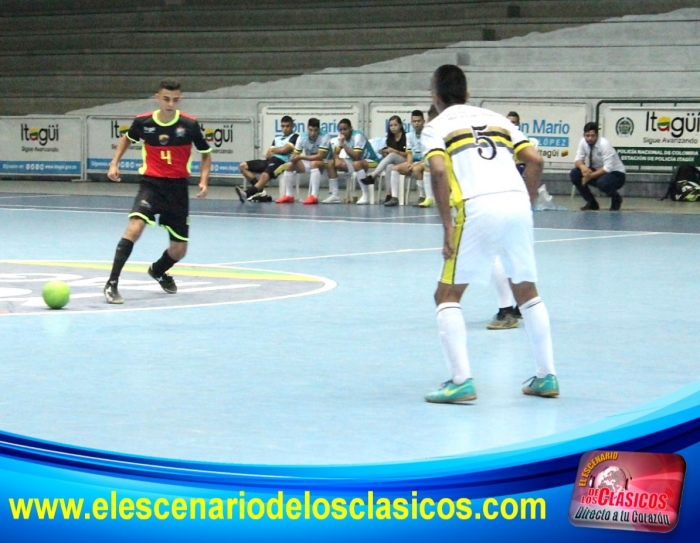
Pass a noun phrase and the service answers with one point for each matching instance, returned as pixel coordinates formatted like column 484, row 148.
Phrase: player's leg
column 252, row 167
column 519, row 262
column 175, row 219
column 314, row 182
column 246, row 171
column 428, row 187
column 287, row 182
column 125, row 245
column 452, row 330
column 536, row 319
column 360, row 168
column 142, row 212
column 334, row 165
column 505, row 318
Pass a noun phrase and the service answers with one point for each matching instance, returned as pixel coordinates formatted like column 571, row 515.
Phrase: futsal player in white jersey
column 471, row 151
column 310, row 150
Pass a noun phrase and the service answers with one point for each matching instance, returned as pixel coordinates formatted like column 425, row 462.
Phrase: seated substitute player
column 275, row 158
column 168, row 137
column 310, row 150
column 471, row 153
column 361, row 157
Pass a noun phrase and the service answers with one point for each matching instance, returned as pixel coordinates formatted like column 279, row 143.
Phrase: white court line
column 349, row 255
column 15, row 196
column 341, row 219
column 603, row 237
column 235, row 215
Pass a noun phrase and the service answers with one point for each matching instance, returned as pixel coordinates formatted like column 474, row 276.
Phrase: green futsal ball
column 56, row 294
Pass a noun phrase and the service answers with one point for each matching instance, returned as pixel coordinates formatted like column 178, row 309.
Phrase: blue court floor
column 306, row 335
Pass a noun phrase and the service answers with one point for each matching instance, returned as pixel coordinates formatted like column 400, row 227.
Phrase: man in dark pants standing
column 597, row 165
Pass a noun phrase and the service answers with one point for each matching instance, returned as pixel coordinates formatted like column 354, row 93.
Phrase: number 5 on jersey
column 166, row 156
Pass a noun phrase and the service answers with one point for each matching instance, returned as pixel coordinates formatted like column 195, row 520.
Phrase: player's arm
column 122, row 146
column 284, row 150
column 580, row 158
column 353, row 154
column 204, row 172
column 534, row 164
column 441, row 191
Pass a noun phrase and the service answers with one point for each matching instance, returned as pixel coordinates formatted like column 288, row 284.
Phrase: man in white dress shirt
column 597, row 165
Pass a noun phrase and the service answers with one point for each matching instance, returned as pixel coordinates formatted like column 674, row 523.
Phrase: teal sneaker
column 451, row 393
column 547, row 387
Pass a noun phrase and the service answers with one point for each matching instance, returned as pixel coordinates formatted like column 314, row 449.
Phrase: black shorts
column 273, row 166
column 168, row 198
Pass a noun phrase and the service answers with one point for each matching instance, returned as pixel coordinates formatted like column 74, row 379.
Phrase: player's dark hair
column 169, row 84
column 450, row 84
column 402, row 132
column 287, row 119
column 514, row 114
column 590, row 126
column 432, row 112
column 345, row 121
column 313, row 121
column 417, row 113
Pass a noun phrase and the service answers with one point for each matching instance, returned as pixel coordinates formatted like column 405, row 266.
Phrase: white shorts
column 495, row 225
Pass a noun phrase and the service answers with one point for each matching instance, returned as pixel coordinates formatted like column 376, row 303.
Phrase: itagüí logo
column 39, row 135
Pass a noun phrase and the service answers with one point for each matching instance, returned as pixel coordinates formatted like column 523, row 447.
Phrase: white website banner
column 231, row 141
column 557, row 127
column 38, row 145
column 381, row 112
column 657, row 134
column 328, row 114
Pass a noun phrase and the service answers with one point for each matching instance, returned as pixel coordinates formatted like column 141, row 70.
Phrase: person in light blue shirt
column 352, row 153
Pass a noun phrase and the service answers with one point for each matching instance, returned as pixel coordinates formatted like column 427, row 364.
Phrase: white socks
column 536, row 319
column 395, row 183
column 501, row 284
column 421, row 190
column 427, row 186
column 453, row 338
column 315, row 182
column 288, row 179
column 333, row 186
column 360, row 175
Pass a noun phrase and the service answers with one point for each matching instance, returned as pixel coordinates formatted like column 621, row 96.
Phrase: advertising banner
column 652, row 134
column 40, row 145
column 557, row 127
column 231, row 141
column 328, row 114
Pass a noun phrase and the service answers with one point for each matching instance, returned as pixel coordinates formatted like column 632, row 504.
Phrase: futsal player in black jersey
column 168, row 136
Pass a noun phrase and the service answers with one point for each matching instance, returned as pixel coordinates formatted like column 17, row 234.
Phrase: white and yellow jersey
column 479, row 146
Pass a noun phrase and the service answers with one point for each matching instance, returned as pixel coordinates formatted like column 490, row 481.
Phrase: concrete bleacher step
column 144, row 62
column 273, row 38
column 255, row 16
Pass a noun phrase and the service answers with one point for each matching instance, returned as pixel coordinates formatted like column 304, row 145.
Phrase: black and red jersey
column 167, row 148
